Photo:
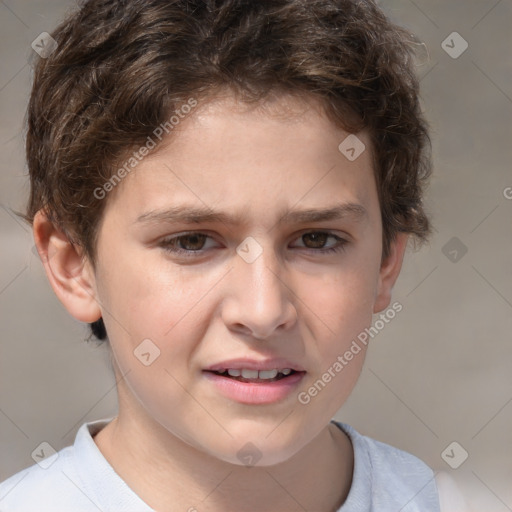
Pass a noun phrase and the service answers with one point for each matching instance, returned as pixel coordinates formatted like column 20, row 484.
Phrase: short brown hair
column 122, row 67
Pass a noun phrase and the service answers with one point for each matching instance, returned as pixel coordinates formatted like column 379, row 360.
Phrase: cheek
column 148, row 297
column 157, row 320
column 157, row 316
column 343, row 297
column 344, row 306
column 339, row 307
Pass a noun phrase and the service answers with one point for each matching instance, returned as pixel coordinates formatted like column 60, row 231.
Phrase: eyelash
column 166, row 244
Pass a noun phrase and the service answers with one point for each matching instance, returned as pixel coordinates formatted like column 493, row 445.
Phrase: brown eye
column 317, row 239
column 187, row 244
column 194, row 242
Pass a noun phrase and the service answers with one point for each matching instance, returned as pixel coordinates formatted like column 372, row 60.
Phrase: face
column 235, row 266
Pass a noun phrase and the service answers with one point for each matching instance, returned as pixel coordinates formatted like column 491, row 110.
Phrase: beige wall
column 441, row 371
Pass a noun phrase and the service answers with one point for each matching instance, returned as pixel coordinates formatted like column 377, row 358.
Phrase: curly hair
column 122, row 67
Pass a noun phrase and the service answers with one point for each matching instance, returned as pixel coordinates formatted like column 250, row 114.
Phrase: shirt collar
column 101, row 484
column 360, row 494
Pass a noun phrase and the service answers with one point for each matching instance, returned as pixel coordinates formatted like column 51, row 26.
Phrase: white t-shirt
column 78, row 478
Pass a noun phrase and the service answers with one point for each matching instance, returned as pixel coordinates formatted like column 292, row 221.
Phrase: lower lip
column 255, row 392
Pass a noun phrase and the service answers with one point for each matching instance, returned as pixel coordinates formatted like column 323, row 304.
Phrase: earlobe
column 389, row 271
column 71, row 275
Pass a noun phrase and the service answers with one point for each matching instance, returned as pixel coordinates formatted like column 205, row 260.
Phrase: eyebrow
column 203, row 215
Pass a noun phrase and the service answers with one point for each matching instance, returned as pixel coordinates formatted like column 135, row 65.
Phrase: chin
column 257, row 450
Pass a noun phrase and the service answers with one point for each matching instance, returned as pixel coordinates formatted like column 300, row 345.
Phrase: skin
column 293, row 302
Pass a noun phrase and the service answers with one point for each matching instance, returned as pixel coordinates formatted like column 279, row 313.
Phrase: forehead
column 256, row 158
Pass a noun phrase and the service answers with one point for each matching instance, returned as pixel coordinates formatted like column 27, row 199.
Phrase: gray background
column 439, row 372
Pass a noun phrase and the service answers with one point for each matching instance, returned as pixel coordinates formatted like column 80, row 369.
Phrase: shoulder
column 50, row 485
column 76, row 478
column 387, row 459
column 396, row 478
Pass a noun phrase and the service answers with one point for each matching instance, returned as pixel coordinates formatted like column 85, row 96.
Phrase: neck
column 169, row 474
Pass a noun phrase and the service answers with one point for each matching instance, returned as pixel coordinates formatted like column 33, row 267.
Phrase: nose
column 258, row 300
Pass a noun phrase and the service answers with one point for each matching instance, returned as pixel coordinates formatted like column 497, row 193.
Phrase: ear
column 389, row 271
column 71, row 275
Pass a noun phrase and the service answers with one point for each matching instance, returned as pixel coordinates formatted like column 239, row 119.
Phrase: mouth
column 255, row 382
column 256, row 376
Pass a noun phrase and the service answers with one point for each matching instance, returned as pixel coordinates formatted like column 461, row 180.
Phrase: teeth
column 249, row 374
column 255, row 374
column 267, row 374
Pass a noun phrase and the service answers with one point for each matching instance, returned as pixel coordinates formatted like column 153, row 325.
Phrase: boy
column 224, row 191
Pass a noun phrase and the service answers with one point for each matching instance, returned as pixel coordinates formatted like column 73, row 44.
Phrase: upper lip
column 253, row 364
